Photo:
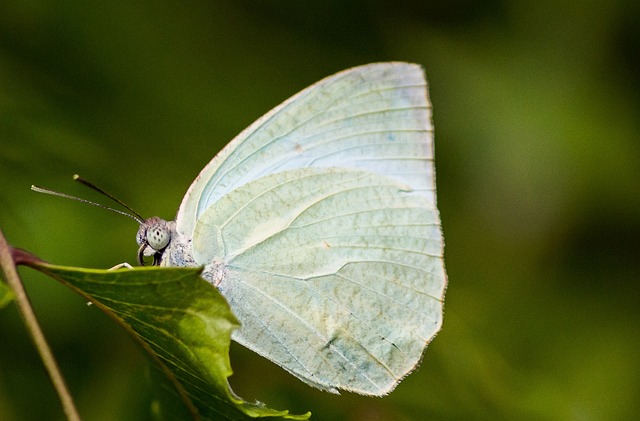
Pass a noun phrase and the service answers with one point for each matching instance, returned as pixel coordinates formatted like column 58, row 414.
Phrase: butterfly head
column 153, row 237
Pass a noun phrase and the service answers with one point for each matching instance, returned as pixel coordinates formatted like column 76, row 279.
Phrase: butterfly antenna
column 135, row 216
column 92, row 186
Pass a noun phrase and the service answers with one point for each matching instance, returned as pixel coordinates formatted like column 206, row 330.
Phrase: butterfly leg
column 121, row 265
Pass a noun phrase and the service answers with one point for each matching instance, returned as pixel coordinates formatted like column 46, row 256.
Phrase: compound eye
column 158, row 237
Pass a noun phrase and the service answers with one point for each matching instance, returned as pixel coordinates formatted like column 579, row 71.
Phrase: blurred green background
column 537, row 116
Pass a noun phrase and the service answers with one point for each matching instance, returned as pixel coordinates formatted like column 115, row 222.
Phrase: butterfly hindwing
column 336, row 274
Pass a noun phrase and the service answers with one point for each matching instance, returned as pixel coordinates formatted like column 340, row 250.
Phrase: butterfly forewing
column 375, row 117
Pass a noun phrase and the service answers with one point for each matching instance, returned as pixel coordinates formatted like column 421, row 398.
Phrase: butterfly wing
column 375, row 117
column 318, row 223
column 335, row 274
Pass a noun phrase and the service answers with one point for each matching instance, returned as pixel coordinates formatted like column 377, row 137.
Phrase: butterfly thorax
column 178, row 252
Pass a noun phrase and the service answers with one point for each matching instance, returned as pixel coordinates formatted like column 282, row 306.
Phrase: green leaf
column 6, row 295
column 184, row 325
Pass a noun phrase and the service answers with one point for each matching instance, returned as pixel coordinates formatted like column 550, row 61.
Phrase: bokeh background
column 537, row 116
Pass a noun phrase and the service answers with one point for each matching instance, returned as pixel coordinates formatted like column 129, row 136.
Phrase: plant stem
column 8, row 267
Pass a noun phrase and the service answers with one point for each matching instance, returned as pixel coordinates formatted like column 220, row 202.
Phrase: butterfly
column 318, row 223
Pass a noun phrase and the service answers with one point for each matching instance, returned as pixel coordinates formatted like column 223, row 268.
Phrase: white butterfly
column 319, row 225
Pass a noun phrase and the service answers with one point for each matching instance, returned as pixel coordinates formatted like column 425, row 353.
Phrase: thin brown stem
column 8, row 268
